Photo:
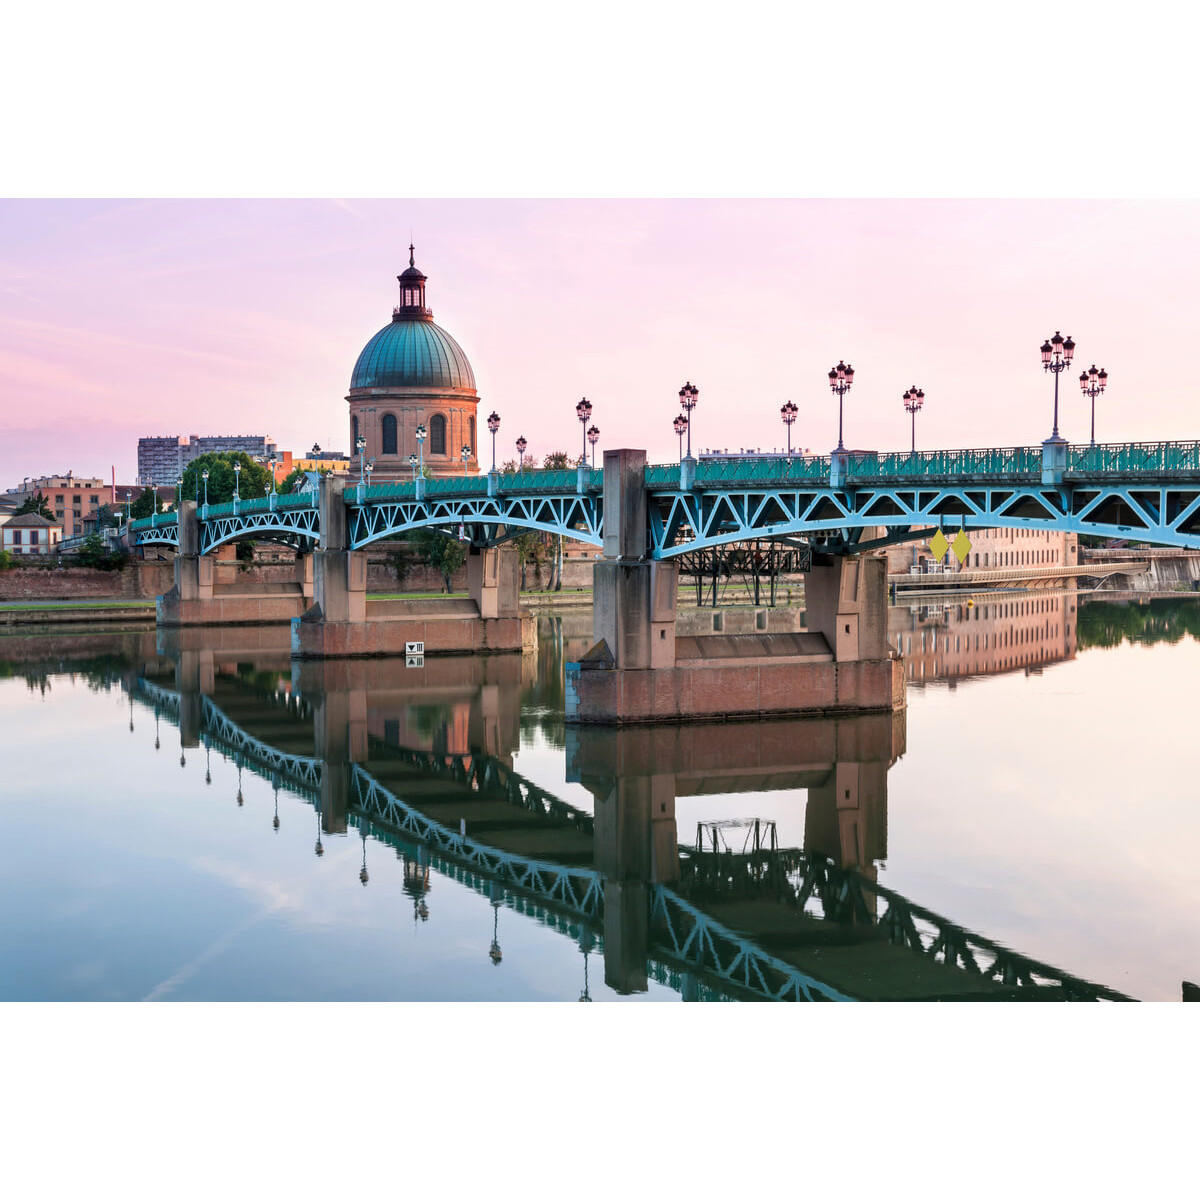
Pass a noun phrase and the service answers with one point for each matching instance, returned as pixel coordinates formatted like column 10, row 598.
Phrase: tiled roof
column 26, row 520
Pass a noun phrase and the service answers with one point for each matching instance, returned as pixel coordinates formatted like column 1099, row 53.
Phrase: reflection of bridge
column 799, row 924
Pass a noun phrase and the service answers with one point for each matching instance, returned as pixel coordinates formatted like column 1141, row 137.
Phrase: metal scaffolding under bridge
column 757, row 566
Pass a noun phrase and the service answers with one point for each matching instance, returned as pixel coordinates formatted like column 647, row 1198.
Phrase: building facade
column 72, row 498
column 161, row 460
column 413, row 375
column 30, row 534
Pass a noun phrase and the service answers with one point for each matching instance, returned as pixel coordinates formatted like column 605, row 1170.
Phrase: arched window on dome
column 389, row 434
column 437, row 434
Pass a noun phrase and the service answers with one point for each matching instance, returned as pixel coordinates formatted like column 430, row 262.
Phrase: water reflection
column 421, row 761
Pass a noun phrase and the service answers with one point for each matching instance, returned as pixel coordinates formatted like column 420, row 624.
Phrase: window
column 471, row 427
column 33, row 537
column 76, row 499
column 94, row 500
column 353, row 435
column 16, row 537
column 58, row 499
column 437, row 435
column 389, row 434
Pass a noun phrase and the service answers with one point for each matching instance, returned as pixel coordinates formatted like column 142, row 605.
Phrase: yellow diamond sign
column 961, row 546
column 938, row 546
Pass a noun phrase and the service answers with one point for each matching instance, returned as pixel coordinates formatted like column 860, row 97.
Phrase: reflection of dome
column 412, row 353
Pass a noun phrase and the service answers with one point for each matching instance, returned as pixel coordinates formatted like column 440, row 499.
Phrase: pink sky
column 120, row 319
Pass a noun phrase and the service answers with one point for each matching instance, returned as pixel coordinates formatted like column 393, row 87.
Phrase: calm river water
column 189, row 817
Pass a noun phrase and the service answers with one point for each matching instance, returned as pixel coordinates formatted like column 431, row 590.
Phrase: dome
column 410, row 353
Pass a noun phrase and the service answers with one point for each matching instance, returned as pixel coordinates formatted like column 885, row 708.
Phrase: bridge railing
column 1135, row 457
column 1002, row 461
column 154, row 521
column 509, row 483
column 291, row 501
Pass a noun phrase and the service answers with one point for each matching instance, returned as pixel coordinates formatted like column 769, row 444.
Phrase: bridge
column 799, row 924
column 840, row 508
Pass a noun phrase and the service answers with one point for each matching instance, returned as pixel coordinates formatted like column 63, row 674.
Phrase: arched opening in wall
column 389, row 434
column 471, row 429
column 437, row 435
column 354, row 435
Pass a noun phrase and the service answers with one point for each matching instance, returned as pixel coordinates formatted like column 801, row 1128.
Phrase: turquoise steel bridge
column 843, row 503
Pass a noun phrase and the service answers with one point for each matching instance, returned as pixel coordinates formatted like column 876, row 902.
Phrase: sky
column 128, row 318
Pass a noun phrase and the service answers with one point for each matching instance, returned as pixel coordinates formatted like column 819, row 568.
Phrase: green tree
column 290, row 480
column 531, row 548
column 94, row 553
column 107, row 517
column 6, row 560
column 557, row 460
column 36, row 503
column 443, row 552
column 255, row 478
column 145, row 505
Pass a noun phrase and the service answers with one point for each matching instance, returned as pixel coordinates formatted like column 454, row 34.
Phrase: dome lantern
column 412, row 294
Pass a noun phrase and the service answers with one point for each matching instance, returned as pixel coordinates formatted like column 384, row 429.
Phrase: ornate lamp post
column 1056, row 357
column 466, row 458
column 422, row 434
column 412, row 462
column 361, row 447
column 788, row 412
column 204, row 476
column 687, row 398
column 521, row 444
column 274, row 459
column 237, row 485
column 913, row 399
column 593, row 436
column 840, row 379
column 681, row 424
column 1093, row 382
column 178, row 493
column 493, row 429
column 583, row 410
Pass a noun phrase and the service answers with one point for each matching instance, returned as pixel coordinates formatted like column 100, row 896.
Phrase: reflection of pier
column 986, row 637
column 800, row 923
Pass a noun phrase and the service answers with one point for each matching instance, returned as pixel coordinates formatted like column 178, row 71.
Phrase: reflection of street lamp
column 687, row 398
column 840, row 379
column 157, row 743
column 240, row 798
column 318, row 849
column 681, row 424
column 788, row 412
column 521, row 445
column 583, row 410
column 593, row 436
column 494, row 952
column 493, row 428
column 275, row 821
column 1093, row 383
column 208, row 764
column 586, row 942
column 913, row 399
column 1056, row 358
column 363, row 877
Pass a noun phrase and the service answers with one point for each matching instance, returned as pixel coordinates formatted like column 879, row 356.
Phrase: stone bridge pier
column 342, row 623
column 200, row 597
column 640, row 672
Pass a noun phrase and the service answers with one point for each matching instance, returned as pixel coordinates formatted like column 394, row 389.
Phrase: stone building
column 30, row 534
column 412, row 373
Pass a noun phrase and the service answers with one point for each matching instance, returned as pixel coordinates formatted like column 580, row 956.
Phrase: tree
column 94, row 553
column 443, row 552
column 531, row 548
column 107, row 517
column 145, row 505
column 36, row 503
column 557, row 460
column 290, row 480
column 254, row 482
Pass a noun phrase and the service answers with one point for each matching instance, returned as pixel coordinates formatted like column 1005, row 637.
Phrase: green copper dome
column 412, row 354
column 412, row 351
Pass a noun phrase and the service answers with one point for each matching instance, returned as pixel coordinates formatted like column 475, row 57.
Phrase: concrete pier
column 640, row 672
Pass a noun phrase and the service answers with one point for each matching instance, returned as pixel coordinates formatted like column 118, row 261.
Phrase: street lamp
column 1093, row 383
column 466, row 457
column 204, row 476
column 179, row 493
column 681, row 424
column 788, row 412
column 913, row 399
column 493, row 428
column 687, row 398
column 1056, row 357
column 422, row 434
column 593, row 436
column 361, row 446
column 412, row 462
column 237, row 485
column 583, row 410
column 521, row 444
column 274, row 459
column 840, row 379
